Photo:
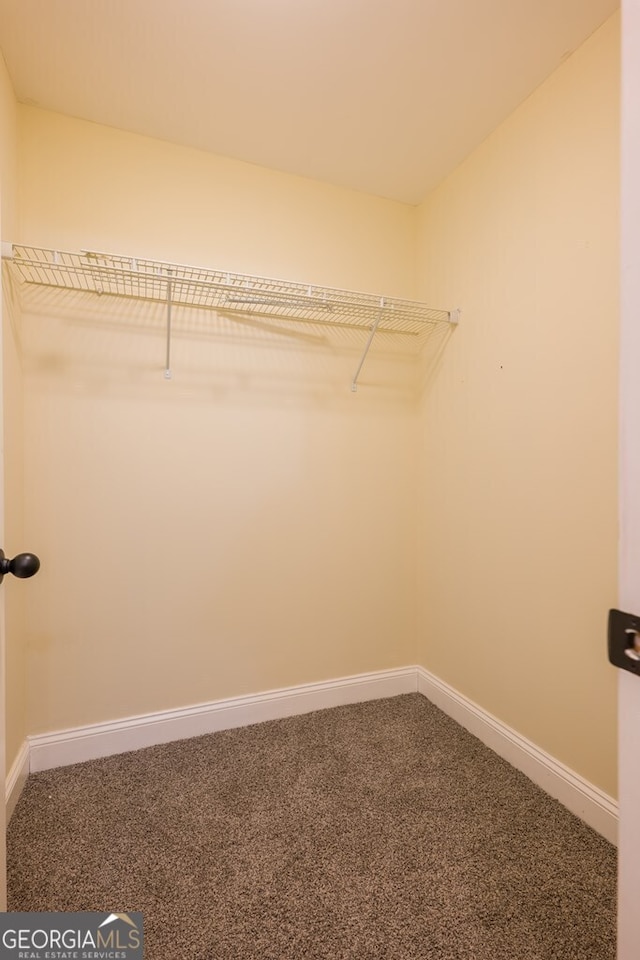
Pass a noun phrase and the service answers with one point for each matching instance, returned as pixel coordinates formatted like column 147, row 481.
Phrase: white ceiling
column 383, row 96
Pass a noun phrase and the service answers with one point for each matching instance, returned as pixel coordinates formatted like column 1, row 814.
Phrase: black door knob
column 22, row 566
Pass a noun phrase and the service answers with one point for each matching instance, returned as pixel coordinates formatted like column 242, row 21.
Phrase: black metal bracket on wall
column 624, row 640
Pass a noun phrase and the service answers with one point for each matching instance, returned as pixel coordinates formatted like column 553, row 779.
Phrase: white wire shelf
column 196, row 287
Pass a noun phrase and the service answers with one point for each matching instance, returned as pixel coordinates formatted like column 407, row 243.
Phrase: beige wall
column 518, row 473
column 13, row 541
column 252, row 524
column 110, row 190
column 248, row 525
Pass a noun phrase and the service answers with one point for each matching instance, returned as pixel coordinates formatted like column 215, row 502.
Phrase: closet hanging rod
column 197, row 287
column 278, row 301
column 229, row 294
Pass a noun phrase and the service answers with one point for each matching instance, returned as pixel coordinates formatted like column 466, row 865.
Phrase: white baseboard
column 65, row 747
column 132, row 733
column 596, row 808
column 16, row 779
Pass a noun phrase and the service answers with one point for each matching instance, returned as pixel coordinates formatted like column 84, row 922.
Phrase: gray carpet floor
column 381, row 830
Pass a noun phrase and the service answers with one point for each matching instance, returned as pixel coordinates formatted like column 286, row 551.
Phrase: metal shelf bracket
column 374, row 327
column 279, row 306
column 167, row 366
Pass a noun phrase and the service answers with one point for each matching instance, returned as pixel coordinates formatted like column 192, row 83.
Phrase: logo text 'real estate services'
column 71, row 936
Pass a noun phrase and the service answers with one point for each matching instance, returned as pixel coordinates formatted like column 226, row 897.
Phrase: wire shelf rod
column 374, row 327
column 167, row 365
column 228, row 293
column 200, row 286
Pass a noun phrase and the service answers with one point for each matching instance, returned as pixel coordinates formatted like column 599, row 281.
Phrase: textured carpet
column 381, row 830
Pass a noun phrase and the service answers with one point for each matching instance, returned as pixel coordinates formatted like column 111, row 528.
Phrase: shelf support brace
column 372, row 333
column 167, row 366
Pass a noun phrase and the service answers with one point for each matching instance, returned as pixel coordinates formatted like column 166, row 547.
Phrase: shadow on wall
column 431, row 355
column 97, row 341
